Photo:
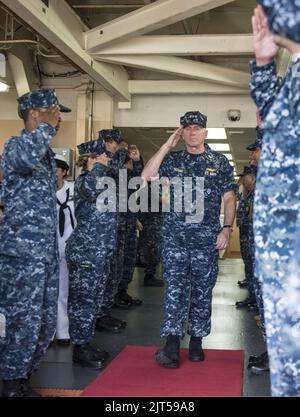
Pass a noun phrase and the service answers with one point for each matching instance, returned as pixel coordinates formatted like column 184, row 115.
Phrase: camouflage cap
column 193, row 118
column 41, row 99
column 96, row 147
column 259, row 140
column 283, row 17
column 110, row 134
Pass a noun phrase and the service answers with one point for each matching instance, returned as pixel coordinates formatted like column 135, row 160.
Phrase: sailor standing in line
column 66, row 225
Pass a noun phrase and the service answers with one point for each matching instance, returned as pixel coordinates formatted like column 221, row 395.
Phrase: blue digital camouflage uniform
column 277, row 196
column 28, row 244
column 117, row 259
column 151, row 241
column 256, row 283
column 190, row 259
column 289, row 310
column 242, row 221
column 130, row 236
column 89, row 249
column 150, row 237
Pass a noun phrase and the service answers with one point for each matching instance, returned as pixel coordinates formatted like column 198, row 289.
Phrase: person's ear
column 34, row 114
column 206, row 134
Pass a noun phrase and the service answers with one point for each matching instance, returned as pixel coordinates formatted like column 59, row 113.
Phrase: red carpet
column 134, row 373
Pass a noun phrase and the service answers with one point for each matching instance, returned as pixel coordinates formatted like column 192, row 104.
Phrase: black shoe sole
column 257, row 371
column 115, row 330
column 88, row 364
column 63, row 344
column 122, row 307
column 154, row 285
column 136, row 304
column 121, row 324
column 196, row 358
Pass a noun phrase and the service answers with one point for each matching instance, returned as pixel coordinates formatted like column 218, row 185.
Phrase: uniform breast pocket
column 210, row 184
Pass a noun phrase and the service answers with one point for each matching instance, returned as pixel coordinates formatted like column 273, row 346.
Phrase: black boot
column 244, row 303
column 100, row 354
column 63, row 342
column 261, row 367
column 140, row 263
column 86, row 356
column 107, row 323
column 12, row 388
column 121, row 323
column 243, row 284
column 121, row 304
column 196, row 353
column 169, row 355
column 124, row 296
column 151, row 281
column 27, row 389
column 256, row 360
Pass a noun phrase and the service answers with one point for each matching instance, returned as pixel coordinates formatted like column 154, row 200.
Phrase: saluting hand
column 134, row 153
column 103, row 159
column 174, row 138
column 51, row 115
column 264, row 44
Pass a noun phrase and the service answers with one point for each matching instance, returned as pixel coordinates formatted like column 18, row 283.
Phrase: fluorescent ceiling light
column 213, row 133
column 228, row 156
column 219, row 147
column 4, row 88
column 216, row 133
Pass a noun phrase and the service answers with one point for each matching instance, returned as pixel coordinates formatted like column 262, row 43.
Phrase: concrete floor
column 231, row 329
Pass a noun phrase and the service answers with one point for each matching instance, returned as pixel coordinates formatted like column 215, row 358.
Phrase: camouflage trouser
column 257, row 286
column 130, row 251
column 116, row 268
column 190, row 263
column 28, row 300
column 150, row 241
column 246, row 255
column 277, row 206
column 88, row 255
column 86, row 290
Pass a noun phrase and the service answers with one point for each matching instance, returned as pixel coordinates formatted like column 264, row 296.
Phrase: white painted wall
column 165, row 111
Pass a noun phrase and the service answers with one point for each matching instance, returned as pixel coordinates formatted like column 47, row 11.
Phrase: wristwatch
column 228, row 226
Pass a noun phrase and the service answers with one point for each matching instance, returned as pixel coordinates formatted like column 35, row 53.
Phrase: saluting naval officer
column 88, row 252
column 190, row 249
column 28, row 242
column 277, row 195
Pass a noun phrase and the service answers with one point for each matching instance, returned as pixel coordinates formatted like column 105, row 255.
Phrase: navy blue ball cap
column 193, row 118
column 258, row 142
column 283, row 17
column 96, row 147
column 41, row 99
column 110, row 134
